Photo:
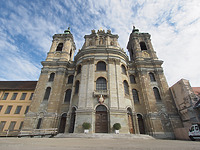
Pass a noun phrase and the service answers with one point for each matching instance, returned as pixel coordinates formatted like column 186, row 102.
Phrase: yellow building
column 15, row 99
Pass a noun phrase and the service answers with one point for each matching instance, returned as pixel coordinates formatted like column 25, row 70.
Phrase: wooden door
column 62, row 124
column 101, row 124
column 72, row 121
column 141, row 124
column 130, row 123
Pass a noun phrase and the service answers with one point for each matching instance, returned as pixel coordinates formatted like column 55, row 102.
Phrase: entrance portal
column 141, row 124
column 130, row 120
column 62, row 123
column 72, row 121
column 101, row 123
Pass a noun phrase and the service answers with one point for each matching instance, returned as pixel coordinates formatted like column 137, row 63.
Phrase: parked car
column 194, row 132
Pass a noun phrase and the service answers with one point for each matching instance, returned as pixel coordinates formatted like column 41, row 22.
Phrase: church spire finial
column 67, row 31
column 135, row 30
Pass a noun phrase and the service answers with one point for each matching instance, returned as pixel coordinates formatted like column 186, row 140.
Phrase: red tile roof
column 196, row 90
column 18, row 85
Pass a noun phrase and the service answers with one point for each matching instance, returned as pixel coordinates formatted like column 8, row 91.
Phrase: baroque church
column 102, row 86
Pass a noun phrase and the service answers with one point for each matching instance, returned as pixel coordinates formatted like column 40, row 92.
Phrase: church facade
column 102, row 86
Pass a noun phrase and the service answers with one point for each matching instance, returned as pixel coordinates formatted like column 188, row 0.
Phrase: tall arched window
column 157, row 94
column 51, row 78
column 59, row 47
column 135, row 95
column 47, row 93
column 67, row 95
column 101, row 66
column 70, row 79
column 77, row 87
column 101, row 84
column 126, row 90
column 70, row 54
column 143, row 46
column 123, row 69
column 79, row 69
column 152, row 77
column 132, row 79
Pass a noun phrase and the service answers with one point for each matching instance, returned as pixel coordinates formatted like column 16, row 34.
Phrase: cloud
column 27, row 29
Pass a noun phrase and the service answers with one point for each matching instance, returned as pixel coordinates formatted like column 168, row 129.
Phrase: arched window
column 152, row 77
column 47, row 93
column 70, row 54
column 143, row 46
column 135, row 95
column 101, row 108
column 132, row 79
column 59, row 47
column 101, row 66
column 51, row 78
column 101, row 84
column 126, row 90
column 157, row 94
column 67, row 95
column 70, row 79
column 123, row 69
column 77, row 87
column 79, row 69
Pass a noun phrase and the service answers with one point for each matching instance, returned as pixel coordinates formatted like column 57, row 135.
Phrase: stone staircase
column 103, row 135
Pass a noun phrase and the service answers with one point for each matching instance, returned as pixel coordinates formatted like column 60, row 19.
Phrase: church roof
column 196, row 90
column 18, row 85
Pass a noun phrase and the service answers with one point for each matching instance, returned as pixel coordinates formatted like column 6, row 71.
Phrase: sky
column 27, row 27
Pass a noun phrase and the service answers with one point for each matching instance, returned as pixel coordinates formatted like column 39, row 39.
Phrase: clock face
column 145, row 54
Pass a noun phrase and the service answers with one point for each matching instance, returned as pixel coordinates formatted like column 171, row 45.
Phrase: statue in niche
column 101, row 41
column 90, row 43
column 111, row 43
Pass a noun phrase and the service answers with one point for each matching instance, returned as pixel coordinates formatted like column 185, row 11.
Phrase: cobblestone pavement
column 95, row 144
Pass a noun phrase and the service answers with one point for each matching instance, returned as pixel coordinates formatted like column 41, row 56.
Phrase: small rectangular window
column 18, row 109
column 1, row 106
column 12, row 125
column 23, row 96
column 8, row 110
column 2, row 124
column 27, row 108
column 5, row 96
column 31, row 97
column 14, row 96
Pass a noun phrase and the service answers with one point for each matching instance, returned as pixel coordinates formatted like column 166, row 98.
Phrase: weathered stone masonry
column 101, row 91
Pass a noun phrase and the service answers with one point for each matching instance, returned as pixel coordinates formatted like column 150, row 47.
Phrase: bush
column 117, row 126
column 86, row 125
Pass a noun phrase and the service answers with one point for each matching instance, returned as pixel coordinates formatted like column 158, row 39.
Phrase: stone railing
column 29, row 132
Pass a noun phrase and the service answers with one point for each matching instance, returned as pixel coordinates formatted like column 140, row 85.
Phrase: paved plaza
column 95, row 144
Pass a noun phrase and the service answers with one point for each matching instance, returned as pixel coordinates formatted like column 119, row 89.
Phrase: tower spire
column 67, row 31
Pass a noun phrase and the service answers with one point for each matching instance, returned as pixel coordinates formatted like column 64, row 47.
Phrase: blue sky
column 27, row 27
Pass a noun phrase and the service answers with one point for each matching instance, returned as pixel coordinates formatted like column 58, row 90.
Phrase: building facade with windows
column 102, row 86
column 15, row 99
column 187, row 101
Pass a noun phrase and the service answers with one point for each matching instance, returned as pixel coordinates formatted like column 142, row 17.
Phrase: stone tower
column 101, row 86
column 154, row 106
column 48, row 97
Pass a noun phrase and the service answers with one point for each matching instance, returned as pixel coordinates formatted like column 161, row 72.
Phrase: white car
column 194, row 132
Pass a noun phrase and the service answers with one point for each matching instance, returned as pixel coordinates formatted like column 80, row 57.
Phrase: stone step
column 103, row 135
